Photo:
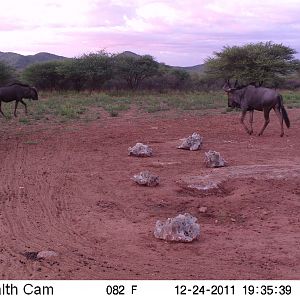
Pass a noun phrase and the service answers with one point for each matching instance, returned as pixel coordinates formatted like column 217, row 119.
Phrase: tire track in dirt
column 34, row 205
column 47, row 203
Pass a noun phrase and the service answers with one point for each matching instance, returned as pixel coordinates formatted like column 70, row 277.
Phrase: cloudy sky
column 176, row 32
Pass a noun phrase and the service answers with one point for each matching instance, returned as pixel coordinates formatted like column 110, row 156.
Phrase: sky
column 181, row 33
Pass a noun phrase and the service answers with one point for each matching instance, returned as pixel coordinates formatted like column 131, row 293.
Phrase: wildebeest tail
column 284, row 113
column 285, row 117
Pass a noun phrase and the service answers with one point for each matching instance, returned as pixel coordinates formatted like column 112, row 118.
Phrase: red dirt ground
column 67, row 188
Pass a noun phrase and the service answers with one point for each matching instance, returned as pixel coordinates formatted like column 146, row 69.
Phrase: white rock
column 140, row 150
column 183, row 228
column 146, row 178
column 193, row 142
column 46, row 254
column 213, row 159
column 203, row 209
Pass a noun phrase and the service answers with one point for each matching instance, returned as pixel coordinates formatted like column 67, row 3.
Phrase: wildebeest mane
column 245, row 85
column 19, row 83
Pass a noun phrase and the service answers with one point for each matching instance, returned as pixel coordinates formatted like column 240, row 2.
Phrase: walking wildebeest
column 250, row 98
column 16, row 92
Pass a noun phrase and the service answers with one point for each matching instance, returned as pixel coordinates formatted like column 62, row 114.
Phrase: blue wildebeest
column 250, row 98
column 17, row 92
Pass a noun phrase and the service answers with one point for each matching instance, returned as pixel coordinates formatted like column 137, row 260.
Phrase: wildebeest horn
column 226, row 87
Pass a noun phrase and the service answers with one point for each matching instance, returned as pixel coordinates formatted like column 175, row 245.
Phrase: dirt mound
column 217, row 180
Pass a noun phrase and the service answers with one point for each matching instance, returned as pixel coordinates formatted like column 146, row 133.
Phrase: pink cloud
column 176, row 32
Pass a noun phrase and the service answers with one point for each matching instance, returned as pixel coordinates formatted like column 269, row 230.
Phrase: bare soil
column 67, row 188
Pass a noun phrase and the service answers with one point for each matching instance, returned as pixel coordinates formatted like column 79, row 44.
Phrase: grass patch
column 74, row 106
column 180, row 101
column 291, row 99
column 66, row 106
column 78, row 105
column 24, row 120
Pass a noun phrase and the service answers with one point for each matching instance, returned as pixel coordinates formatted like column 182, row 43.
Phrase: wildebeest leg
column 267, row 120
column 251, row 121
column 16, row 106
column 1, row 110
column 242, row 121
column 25, row 105
column 280, row 118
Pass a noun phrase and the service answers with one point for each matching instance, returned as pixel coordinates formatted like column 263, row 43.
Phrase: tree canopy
column 44, row 75
column 6, row 73
column 88, row 71
column 252, row 63
column 136, row 69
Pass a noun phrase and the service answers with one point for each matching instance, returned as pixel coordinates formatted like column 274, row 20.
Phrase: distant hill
column 195, row 69
column 128, row 54
column 19, row 61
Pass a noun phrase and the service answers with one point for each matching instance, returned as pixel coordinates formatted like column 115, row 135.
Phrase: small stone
column 46, row 254
column 183, row 228
column 213, row 159
column 193, row 142
column 203, row 209
column 233, row 219
column 140, row 150
column 146, row 178
column 32, row 255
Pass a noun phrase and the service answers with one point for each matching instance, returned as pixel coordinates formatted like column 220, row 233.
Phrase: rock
column 146, row 178
column 213, row 159
column 203, row 209
column 31, row 255
column 193, row 142
column 140, row 150
column 46, row 254
column 183, row 228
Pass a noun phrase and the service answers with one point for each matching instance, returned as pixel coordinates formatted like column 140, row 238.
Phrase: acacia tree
column 97, row 69
column 135, row 69
column 252, row 63
column 88, row 71
column 44, row 75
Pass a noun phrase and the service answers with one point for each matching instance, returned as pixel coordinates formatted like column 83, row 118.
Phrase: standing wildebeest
column 250, row 98
column 16, row 92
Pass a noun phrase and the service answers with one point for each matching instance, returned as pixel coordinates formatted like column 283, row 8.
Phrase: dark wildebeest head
column 31, row 93
column 235, row 95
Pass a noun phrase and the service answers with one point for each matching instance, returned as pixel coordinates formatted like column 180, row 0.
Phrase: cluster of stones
column 144, row 177
column 182, row 228
column 194, row 142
